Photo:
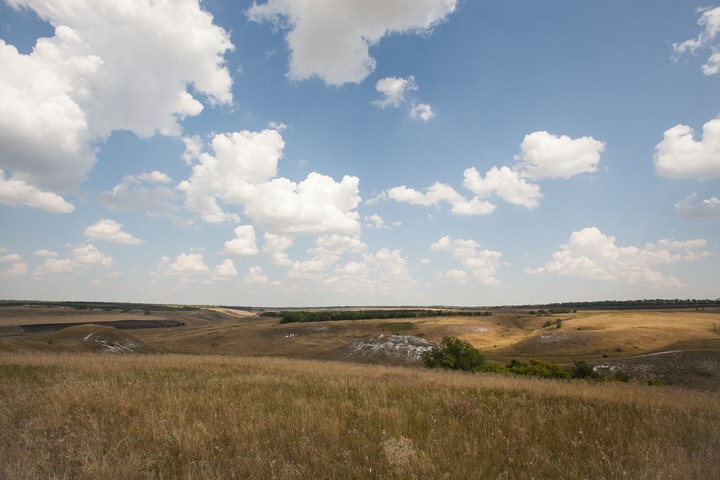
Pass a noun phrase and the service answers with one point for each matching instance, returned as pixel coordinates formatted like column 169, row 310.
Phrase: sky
column 359, row 152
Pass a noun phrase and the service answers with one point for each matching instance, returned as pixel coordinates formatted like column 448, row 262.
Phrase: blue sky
column 286, row 153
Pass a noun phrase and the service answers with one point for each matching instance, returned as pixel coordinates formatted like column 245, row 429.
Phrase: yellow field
column 208, row 417
column 588, row 335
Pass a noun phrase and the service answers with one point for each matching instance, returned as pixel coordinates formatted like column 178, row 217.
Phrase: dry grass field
column 234, row 395
column 89, row 416
column 592, row 336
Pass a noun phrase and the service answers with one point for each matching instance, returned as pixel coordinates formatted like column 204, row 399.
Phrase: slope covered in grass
column 97, row 416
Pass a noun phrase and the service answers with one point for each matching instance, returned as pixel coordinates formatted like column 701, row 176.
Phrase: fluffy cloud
column 184, row 265
column 679, row 155
column 590, row 254
column 382, row 273
column 54, row 265
column 11, row 264
column 710, row 21
column 225, row 270
column 707, row 208
column 545, row 155
column 438, row 193
column 18, row 192
column 330, row 248
column 256, row 276
column 376, row 222
column 454, row 276
column 331, row 40
column 422, row 111
column 316, row 205
column 275, row 245
column 505, row 183
column 244, row 242
column 84, row 256
column 240, row 160
column 240, row 172
column 483, row 264
column 88, row 255
column 542, row 155
column 99, row 73
column 147, row 192
column 110, row 231
column 394, row 90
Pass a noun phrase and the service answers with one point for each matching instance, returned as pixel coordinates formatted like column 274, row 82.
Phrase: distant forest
column 630, row 304
column 368, row 312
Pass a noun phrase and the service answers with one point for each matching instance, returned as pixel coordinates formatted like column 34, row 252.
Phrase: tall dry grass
column 159, row 417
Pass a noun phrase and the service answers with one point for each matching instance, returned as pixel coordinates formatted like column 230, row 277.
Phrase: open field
column 92, row 416
column 597, row 337
column 214, row 399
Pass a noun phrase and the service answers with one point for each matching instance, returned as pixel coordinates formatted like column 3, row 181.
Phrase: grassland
column 91, row 416
column 234, row 395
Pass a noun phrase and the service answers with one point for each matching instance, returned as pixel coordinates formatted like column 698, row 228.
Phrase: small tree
column 583, row 370
column 454, row 354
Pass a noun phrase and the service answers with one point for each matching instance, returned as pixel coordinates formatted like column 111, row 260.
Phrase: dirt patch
column 688, row 368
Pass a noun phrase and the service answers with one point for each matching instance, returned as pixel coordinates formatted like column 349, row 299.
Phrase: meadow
column 89, row 416
column 231, row 394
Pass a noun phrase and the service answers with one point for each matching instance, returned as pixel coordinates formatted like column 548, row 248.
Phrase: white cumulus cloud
column 505, row 183
column 679, row 155
column 19, row 192
column 146, row 192
column 84, row 256
column 710, row 21
column 438, row 193
column 331, row 40
column 110, row 231
column 422, row 111
column 255, row 275
column 244, row 242
column 225, row 270
column 707, row 208
column 590, row 254
column 240, row 172
column 375, row 221
column 394, row 90
column 11, row 264
column 184, row 265
column 381, row 274
column 546, row 155
column 122, row 65
column 454, row 276
column 88, row 255
column 483, row 264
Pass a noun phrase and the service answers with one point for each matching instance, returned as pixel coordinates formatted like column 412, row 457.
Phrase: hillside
column 601, row 338
column 89, row 416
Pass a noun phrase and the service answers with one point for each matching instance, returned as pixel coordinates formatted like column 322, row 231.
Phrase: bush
column 583, row 370
column 621, row 376
column 537, row 368
column 454, row 354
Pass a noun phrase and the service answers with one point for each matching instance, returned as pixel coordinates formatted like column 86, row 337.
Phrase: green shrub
column 536, row 368
column 621, row 376
column 583, row 370
column 454, row 354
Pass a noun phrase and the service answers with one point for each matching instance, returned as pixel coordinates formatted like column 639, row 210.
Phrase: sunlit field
column 168, row 416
